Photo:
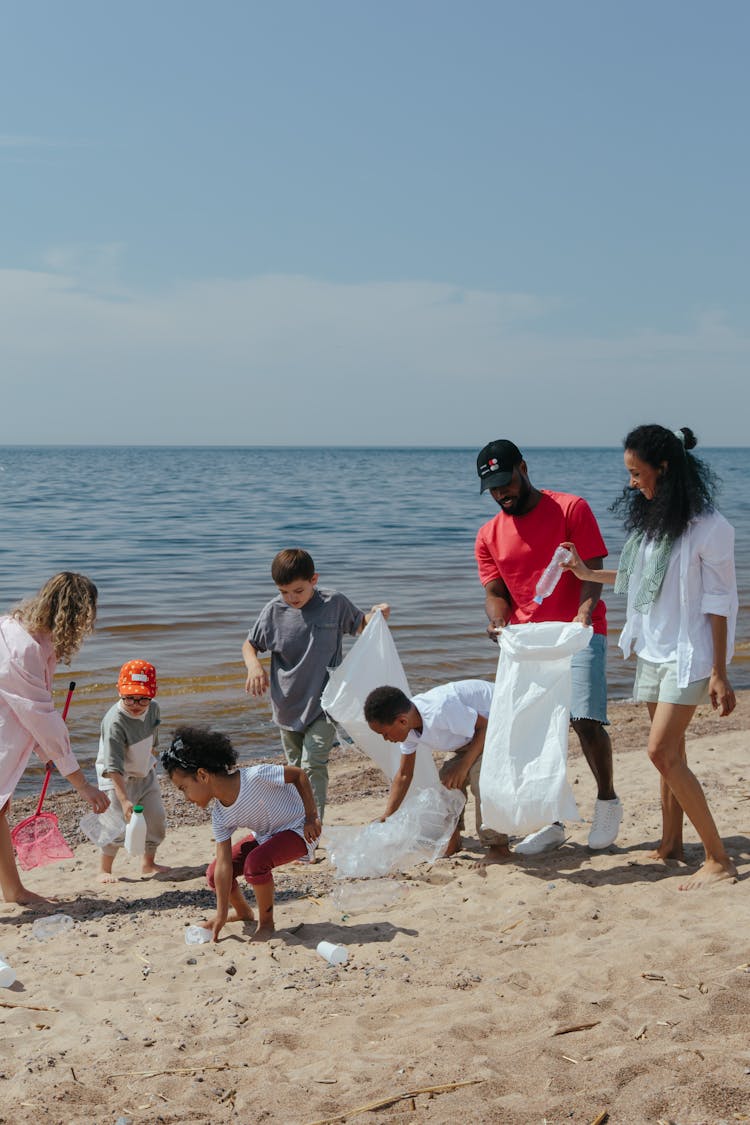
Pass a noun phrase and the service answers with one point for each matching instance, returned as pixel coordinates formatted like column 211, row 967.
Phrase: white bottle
column 135, row 833
column 551, row 574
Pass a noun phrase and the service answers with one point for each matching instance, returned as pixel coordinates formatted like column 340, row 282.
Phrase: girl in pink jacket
column 49, row 627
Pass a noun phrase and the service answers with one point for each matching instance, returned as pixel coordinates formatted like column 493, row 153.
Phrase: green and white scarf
column 653, row 571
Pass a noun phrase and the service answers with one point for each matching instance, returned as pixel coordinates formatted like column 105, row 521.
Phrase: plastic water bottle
column 102, row 828
column 551, row 574
column 7, row 975
column 135, row 833
column 51, row 926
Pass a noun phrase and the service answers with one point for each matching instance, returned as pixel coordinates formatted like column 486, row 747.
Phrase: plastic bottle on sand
column 551, row 574
column 135, row 833
column 51, row 926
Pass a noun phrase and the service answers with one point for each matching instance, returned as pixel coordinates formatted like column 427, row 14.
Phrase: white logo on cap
column 139, row 677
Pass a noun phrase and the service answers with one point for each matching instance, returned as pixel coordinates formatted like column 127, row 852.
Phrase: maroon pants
column 256, row 861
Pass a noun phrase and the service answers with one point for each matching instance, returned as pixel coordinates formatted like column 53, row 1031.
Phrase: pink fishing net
column 38, row 841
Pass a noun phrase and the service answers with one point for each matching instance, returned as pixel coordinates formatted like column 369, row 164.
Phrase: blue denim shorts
column 589, row 674
column 657, row 683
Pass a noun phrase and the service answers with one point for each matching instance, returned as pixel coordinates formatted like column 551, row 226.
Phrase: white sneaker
column 606, row 824
column 543, row 840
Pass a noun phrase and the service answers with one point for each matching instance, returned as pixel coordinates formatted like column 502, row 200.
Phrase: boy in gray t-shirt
column 303, row 629
column 126, row 764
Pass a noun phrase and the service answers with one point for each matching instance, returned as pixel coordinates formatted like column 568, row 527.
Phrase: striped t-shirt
column 266, row 804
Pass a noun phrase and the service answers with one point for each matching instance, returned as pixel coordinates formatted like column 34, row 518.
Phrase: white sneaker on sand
column 606, row 824
column 543, row 840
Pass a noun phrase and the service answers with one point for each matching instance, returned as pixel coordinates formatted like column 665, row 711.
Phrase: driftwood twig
column 395, row 1098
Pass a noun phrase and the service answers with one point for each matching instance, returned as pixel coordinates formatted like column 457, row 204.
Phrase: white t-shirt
column 265, row 804
column 660, row 627
column 449, row 715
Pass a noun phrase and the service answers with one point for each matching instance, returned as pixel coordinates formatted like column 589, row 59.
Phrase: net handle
column 48, row 774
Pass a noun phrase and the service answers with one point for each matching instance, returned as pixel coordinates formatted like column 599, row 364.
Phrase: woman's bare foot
column 663, row 855
column 498, row 853
column 25, row 897
column 106, row 877
column 151, row 867
column 712, row 871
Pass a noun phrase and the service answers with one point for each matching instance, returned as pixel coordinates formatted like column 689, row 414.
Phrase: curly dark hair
column 198, row 748
column 385, row 704
column 687, row 486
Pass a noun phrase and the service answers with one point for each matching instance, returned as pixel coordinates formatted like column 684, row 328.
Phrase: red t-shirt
column 516, row 549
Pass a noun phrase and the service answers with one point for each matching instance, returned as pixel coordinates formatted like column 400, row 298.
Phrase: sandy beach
column 555, row 989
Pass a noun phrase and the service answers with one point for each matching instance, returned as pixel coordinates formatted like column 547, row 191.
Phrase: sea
column 179, row 541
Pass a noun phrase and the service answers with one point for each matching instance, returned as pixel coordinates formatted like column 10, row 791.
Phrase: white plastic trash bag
column 418, row 832
column 523, row 776
column 373, row 662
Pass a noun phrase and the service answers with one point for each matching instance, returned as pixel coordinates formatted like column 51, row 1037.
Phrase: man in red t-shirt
column 512, row 550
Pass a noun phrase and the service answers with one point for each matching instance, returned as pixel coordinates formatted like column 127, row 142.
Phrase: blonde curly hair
column 65, row 608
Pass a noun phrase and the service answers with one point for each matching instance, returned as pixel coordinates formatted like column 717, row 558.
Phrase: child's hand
column 312, row 829
column 127, row 809
column 257, row 681
column 384, row 608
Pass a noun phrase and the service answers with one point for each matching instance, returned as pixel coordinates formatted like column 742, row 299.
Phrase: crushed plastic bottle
column 368, row 894
column 103, row 828
column 197, row 935
column 551, row 574
column 418, row 832
column 51, row 926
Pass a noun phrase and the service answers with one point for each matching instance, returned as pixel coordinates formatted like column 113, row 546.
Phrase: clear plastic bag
column 103, row 828
column 368, row 894
column 418, row 832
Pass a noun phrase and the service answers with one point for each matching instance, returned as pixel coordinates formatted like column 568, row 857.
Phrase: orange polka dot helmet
column 137, row 677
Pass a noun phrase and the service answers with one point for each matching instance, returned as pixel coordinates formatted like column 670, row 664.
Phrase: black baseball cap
column 496, row 462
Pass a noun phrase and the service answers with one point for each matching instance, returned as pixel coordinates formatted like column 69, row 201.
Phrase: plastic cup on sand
column 332, row 953
column 7, row 975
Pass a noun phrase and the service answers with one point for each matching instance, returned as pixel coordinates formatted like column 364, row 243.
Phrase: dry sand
column 555, row 989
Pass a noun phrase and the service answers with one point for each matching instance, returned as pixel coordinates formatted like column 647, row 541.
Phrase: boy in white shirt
column 453, row 718
column 126, row 763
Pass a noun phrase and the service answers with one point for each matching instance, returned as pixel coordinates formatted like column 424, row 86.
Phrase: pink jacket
column 28, row 719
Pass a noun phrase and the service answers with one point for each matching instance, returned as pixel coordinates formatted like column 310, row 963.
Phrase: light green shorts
column 657, row 683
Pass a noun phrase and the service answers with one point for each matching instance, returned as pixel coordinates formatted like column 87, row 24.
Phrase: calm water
column 180, row 540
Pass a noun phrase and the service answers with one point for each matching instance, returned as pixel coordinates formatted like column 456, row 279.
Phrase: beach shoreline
column 552, row 989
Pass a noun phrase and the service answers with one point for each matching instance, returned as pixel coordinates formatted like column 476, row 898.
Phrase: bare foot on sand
column 657, row 856
column 711, row 872
column 454, row 845
column 106, row 877
column 150, row 867
column 498, row 853
column 25, row 897
column 263, row 933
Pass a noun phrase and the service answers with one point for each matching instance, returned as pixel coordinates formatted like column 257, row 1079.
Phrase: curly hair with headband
column 687, row 486
column 65, row 608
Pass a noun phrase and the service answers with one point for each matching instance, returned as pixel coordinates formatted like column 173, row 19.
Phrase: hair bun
column 689, row 439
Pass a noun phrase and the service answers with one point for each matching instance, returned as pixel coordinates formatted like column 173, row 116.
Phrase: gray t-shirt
column 126, row 744
column 304, row 644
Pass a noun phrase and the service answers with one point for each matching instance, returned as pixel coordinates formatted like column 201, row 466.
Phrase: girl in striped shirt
column 275, row 802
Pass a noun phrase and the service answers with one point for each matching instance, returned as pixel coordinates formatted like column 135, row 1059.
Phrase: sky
column 373, row 222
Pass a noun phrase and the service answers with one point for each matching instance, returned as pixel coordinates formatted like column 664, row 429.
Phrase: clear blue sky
column 380, row 223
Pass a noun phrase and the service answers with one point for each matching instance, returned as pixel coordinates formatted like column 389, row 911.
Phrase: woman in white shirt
column 677, row 568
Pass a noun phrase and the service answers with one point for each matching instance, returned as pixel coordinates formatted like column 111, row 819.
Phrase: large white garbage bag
column 523, row 776
column 420, row 829
column 373, row 662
